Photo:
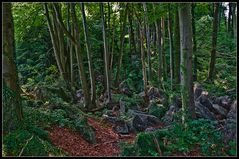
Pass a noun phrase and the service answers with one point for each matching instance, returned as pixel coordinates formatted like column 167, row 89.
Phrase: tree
column 186, row 51
column 91, row 70
column 214, row 44
column 147, row 41
column 164, row 68
column 121, row 45
column 177, row 47
column 157, row 24
column 194, row 44
column 10, row 76
column 106, row 59
column 170, row 35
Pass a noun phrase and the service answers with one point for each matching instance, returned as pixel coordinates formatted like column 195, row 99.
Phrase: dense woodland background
column 119, row 79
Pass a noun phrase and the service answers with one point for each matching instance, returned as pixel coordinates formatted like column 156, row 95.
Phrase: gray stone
column 197, row 91
column 233, row 111
column 220, row 110
column 122, row 106
column 203, row 112
column 203, row 99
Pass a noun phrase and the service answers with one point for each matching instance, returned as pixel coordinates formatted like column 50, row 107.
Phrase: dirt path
column 107, row 141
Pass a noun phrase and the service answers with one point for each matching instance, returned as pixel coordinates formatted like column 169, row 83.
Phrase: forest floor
column 73, row 143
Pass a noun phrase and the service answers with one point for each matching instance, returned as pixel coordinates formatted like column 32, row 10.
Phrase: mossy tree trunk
column 10, row 76
column 106, row 59
column 186, row 51
column 89, row 56
column 214, row 45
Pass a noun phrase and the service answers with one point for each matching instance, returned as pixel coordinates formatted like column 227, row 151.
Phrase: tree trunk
column 89, row 56
column 121, row 47
column 185, row 22
column 177, row 48
column 10, row 76
column 147, row 41
column 234, row 26
column 171, row 46
column 157, row 24
column 229, row 27
column 106, row 55
column 214, row 45
column 132, row 34
column 76, row 37
column 194, row 44
column 164, row 68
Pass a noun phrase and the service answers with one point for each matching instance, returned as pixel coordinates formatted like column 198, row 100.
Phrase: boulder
column 197, row 91
column 141, row 120
column 168, row 117
column 223, row 101
column 122, row 106
column 229, row 131
column 80, row 96
column 156, row 94
column 87, row 131
column 121, row 128
column 203, row 112
column 233, row 111
column 203, row 100
column 220, row 110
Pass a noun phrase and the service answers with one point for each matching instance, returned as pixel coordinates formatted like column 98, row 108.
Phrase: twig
column 105, row 143
column 157, row 144
column 25, row 145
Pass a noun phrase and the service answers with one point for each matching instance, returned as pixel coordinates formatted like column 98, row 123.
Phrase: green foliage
column 157, row 110
column 180, row 138
column 28, row 144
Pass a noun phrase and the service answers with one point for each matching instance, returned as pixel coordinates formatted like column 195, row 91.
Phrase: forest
column 119, row 79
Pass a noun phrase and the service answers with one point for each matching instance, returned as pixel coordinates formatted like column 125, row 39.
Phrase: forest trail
column 73, row 143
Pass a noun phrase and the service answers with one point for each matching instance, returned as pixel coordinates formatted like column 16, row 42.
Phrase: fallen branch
column 105, row 143
column 25, row 146
column 157, row 145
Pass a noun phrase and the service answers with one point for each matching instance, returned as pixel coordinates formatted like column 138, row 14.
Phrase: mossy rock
column 87, row 131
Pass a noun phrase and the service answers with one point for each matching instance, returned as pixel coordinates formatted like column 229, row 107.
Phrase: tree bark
column 147, row 41
column 164, row 68
column 121, row 46
column 214, row 45
column 76, row 37
column 194, row 44
column 177, row 48
column 10, row 76
column 171, row 47
column 157, row 24
column 185, row 22
column 89, row 56
column 106, row 55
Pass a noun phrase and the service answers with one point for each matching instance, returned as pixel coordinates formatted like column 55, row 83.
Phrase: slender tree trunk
column 194, row 44
column 214, row 45
column 106, row 54
column 147, row 41
column 113, row 45
column 76, row 37
column 234, row 28
column 164, row 68
column 185, row 22
column 229, row 27
column 132, row 34
column 157, row 24
column 177, row 48
column 53, row 39
column 121, row 47
column 10, row 75
column 171, row 46
column 89, row 56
